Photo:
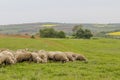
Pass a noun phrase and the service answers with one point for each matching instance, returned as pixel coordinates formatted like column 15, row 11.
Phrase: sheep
column 23, row 55
column 70, row 56
column 77, row 56
column 74, row 56
column 81, row 57
column 5, row 59
column 3, row 49
column 43, row 55
column 50, row 55
column 60, row 56
column 36, row 58
column 57, row 56
column 10, row 54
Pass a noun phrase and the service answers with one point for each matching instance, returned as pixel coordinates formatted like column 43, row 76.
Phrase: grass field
column 103, row 56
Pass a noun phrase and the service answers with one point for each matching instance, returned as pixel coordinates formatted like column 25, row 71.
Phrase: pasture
column 103, row 56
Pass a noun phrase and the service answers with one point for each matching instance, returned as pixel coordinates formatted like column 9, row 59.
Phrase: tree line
column 77, row 32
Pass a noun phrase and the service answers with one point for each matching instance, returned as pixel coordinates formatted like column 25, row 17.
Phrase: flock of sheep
column 11, row 57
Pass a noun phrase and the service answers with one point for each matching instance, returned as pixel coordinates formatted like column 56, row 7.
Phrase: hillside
column 33, row 28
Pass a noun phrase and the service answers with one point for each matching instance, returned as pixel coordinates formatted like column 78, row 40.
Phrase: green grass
column 103, row 56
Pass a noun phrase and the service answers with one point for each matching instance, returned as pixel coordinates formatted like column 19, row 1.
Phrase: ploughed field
column 103, row 60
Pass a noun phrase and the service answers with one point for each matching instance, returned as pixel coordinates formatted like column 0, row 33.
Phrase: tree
column 61, row 34
column 75, row 28
column 78, row 32
column 48, row 33
column 51, row 33
column 87, row 34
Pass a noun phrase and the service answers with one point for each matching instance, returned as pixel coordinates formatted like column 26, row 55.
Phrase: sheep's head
column 82, row 58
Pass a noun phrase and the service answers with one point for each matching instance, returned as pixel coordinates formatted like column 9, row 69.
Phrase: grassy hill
column 33, row 28
column 103, row 56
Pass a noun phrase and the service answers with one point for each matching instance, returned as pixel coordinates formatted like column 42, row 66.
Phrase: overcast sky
column 73, row 11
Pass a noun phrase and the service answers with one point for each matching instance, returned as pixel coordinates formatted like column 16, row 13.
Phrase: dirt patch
column 15, row 35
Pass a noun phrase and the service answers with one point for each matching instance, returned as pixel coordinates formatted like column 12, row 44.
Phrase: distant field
column 49, row 25
column 103, row 55
column 114, row 33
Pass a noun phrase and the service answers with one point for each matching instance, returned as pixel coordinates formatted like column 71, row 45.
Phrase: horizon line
column 60, row 22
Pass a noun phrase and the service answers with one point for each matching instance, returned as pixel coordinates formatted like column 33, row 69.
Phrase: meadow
column 103, row 56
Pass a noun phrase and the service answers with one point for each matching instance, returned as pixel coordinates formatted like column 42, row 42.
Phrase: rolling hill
column 33, row 28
